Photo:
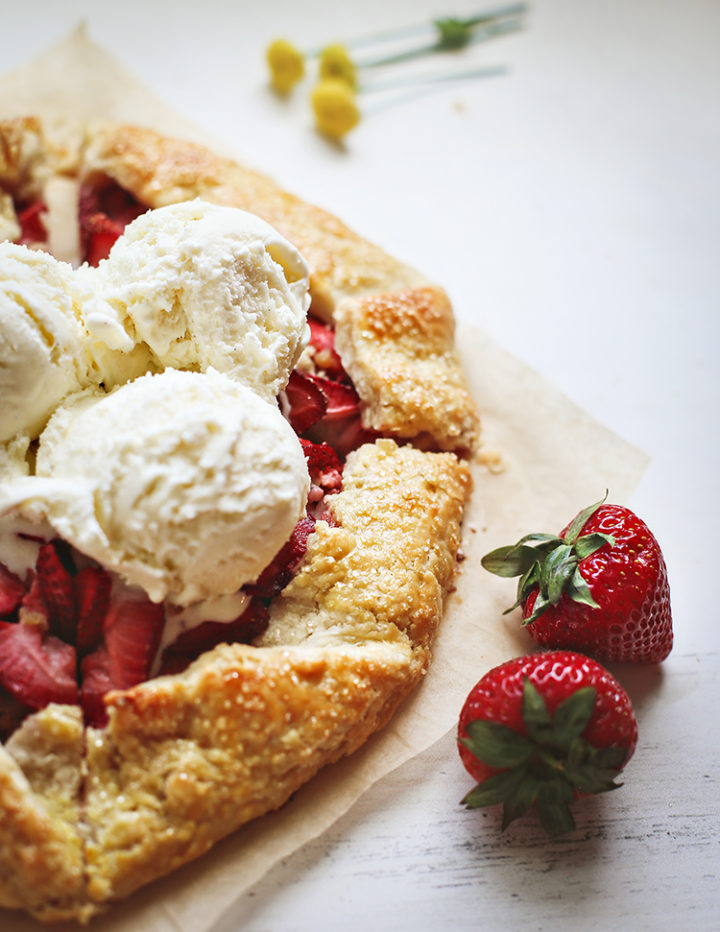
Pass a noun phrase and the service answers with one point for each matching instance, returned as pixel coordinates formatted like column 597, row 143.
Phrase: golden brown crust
column 158, row 170
column 23, row 157
column 187, row 759
column 399, row 350
column 23, row 169
column 387, row 566
column 41, row 849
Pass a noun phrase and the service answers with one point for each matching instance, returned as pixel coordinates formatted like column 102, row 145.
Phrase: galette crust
column 23, row 157
column 399, row 349
column 41, row 846
column 23, row 169
column 388, row 564
column 187, row 759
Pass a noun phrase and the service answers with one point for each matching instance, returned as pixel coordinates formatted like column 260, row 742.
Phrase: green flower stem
column 431, row 78
column 445, row 30
column 491, row 31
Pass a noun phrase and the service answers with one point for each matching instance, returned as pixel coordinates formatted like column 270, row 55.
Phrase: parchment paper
column 555, row 460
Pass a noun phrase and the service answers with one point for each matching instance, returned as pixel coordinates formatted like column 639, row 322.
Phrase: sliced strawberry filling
column 341, row 426
column 103, row 213
column 325, row 356
column 92, row 599
column 36, row 668
column 32, row 226
column 57, row 592
column 195, row 641
column 70, row 627
column 282, row 567
column 306, row 402
column 323, row 406
column 131, row 630
column 323, row 465
column 72, row 636
column 12, row 591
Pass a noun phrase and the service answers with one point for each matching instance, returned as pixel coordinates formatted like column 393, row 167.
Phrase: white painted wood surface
column 572, row 209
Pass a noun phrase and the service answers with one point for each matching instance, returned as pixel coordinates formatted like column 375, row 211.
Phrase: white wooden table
column 572, row 208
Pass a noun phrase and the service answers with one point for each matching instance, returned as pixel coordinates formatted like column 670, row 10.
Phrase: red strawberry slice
column 120, row 205
column 133, row 627
column 195, row 641
column 12, row 712
column 343, row 400
column 103, row 214
column 36, row 670
column 12, row 590
column 324, row 466
column 341, row 425
column 92, row 597
column 281, row 569
column 325, row 357
column 96, row 681
column 347, row 435
column 306, row 400
column 32, row 228
column 33, row 610
column 56, row 586
column 98, row 235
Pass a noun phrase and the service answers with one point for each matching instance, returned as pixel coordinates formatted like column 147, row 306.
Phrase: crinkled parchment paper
column 555, row 460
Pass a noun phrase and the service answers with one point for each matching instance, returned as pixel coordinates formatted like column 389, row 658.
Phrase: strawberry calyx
column 549, row 563
column 548, row 765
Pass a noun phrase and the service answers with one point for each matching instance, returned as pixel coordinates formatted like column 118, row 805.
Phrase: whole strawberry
column 600, row 587
column 542, row 729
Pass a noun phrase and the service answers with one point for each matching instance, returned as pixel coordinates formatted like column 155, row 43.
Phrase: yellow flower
column 287, row 65
column 336, row 63
column 333, row 103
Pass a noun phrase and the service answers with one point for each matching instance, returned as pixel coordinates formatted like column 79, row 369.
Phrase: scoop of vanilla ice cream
column 115, row 365
column 184, row 483
column 205, row 286
column 43, row 351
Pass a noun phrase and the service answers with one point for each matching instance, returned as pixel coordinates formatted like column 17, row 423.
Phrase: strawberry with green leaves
column 600, row 586
column 541, row 730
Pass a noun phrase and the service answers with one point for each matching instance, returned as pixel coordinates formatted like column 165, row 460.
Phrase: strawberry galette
column 228, row 523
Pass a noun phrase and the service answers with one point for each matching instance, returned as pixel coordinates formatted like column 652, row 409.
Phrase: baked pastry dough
column 23, row 170
column 186, row 759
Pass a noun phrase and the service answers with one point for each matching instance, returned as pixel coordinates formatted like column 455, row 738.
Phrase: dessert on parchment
column 229, row 520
